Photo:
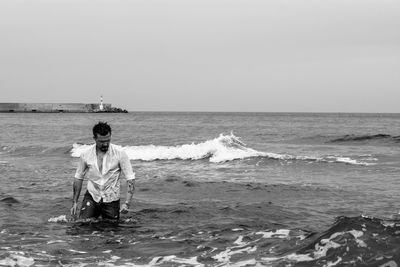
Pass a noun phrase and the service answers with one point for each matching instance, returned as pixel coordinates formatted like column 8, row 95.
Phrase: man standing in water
column 102, row 165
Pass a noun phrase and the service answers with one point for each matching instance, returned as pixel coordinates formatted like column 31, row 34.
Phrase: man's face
column 102, row 142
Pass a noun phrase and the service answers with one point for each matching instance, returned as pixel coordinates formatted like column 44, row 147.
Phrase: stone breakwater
column 58, row 108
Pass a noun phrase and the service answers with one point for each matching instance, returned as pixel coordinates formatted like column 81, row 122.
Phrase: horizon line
column 303, row 112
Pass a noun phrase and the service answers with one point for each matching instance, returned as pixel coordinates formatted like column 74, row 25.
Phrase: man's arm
column 77, row 187
column 130, row 191
column 129, row 194
column 130, row 177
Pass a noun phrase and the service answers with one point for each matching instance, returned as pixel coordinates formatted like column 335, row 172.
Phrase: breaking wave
column 221, row 149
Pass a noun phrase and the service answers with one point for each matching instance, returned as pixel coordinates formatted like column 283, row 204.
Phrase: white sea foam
column 56, row 241
column 280, row 233
column 347, row 160
column 240, row 247
column 17, row 260
column 330, row 263
column 248, row 247
column 239, row 241
column 59, row 219
column 321, row 249
column 389, row 264
column 77, row 251
column 221, row 149
column 357, row 235
column 251, row 262
column 78, row 149
column 225, row 256
column 173, row 259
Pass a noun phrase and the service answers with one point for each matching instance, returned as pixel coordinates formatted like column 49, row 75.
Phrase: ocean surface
column 213, row 189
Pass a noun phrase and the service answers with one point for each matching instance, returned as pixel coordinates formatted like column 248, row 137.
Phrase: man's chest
column 102, row 165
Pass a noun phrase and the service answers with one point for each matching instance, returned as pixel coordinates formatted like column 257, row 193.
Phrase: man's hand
column 124, row 208
column 74, row 210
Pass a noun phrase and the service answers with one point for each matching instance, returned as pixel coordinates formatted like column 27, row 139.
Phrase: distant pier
column 59, row 108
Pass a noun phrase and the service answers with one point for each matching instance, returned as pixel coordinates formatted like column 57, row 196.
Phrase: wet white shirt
column 104, row 186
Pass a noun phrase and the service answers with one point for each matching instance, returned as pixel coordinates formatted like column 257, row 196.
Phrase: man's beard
column 104, row 148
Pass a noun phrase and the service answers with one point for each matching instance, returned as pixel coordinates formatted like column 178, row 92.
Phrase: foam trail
column 221, row 149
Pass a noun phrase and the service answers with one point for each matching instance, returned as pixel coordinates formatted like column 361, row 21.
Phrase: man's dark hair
column 101, row 128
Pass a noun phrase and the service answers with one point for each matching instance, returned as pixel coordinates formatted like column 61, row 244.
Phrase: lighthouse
column 101, row 107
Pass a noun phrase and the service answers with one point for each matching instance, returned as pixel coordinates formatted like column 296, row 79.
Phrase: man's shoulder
column 116, row 149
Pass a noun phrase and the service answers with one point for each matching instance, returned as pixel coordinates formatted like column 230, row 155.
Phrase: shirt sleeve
column 81, row 170
column 126, row 166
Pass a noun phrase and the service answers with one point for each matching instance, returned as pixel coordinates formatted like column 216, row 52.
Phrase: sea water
column 213, row 189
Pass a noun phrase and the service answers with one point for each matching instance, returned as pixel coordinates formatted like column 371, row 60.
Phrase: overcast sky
column 203, row 55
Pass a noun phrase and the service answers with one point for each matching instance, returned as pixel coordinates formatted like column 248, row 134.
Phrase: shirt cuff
column 131, row 177
column 79, row 176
